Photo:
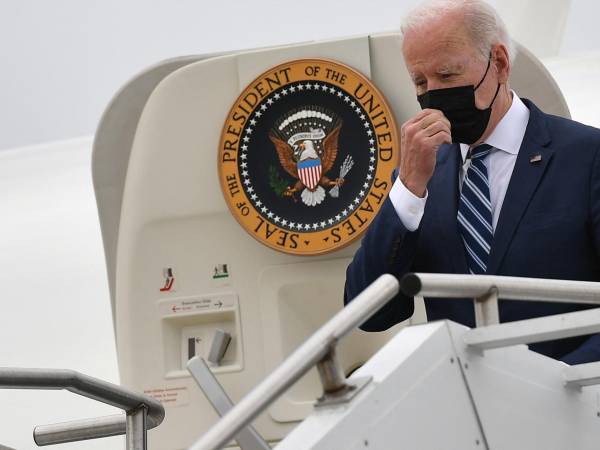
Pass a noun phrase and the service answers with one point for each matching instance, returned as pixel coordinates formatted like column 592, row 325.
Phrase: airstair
column 441, row 384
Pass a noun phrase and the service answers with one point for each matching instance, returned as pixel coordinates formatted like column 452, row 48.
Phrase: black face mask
column 467, row 122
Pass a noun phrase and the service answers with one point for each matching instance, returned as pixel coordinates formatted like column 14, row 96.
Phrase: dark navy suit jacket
column 549, row 227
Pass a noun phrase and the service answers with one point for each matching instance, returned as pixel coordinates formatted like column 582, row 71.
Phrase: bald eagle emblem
column 306, row 140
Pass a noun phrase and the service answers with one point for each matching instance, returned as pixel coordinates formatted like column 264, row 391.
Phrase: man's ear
column 501, row 61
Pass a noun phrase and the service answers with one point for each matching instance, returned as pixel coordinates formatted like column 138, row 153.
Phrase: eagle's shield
column 309, row 172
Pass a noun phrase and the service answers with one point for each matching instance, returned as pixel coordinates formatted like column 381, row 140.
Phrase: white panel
column 540, row 27
column 293, row 306
column 174, row 216
column 351, row 51
column 418, row 387
column 430, row 392
column 523, row 403
column 578, row 79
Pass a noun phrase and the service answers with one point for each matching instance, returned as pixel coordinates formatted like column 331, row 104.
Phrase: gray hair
column 482, row 22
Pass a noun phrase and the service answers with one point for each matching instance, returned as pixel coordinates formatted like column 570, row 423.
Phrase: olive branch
column 277, row 183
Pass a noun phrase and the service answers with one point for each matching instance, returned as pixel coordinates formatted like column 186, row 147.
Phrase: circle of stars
column 259, row 112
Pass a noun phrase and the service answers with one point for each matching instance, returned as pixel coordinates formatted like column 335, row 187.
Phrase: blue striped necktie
column 475, row 212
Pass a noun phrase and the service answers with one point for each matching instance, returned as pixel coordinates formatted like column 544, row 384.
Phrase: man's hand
column 420, row 138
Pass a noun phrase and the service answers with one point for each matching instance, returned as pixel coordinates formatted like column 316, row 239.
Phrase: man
column 487, row 182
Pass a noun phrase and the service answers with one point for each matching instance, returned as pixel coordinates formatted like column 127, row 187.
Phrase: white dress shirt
column 506, row 140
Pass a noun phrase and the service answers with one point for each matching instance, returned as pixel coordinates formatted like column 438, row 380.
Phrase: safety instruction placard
column 170, row 396
column 196, row 304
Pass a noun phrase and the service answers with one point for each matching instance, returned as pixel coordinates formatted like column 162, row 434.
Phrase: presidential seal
column 306, row 156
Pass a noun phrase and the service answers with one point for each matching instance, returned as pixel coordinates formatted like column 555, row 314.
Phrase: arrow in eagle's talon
column 344, row 169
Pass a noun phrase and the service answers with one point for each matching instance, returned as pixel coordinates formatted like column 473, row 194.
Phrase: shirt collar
column 510, row 131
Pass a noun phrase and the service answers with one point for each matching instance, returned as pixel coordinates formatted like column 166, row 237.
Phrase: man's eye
column 420, row 83
column 446, row 76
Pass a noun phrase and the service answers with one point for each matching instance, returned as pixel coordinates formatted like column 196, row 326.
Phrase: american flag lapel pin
column 535, row 158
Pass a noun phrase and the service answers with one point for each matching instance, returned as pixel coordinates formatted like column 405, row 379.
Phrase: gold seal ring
column 306, row 156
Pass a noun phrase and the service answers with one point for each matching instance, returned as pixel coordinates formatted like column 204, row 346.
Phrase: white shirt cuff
column 408, row 206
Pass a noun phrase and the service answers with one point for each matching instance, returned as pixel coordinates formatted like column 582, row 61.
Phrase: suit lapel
column 446, row 190
column 532, row 160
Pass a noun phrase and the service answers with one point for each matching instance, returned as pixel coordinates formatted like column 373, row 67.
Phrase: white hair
column 483, row 24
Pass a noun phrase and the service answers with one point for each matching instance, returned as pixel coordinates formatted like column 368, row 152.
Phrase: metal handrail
column 509, row 288
column 487, row 289
column 138, row 406
column 311, row 352
column 248, row 438
column 79, row 430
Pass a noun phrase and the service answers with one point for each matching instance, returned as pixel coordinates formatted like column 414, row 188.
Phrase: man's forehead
column 437, row 49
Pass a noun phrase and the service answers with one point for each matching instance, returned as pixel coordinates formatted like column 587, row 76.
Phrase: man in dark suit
column 487, row 183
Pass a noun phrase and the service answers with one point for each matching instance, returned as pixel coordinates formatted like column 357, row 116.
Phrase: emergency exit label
column 170, row 396
column 196, row 304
